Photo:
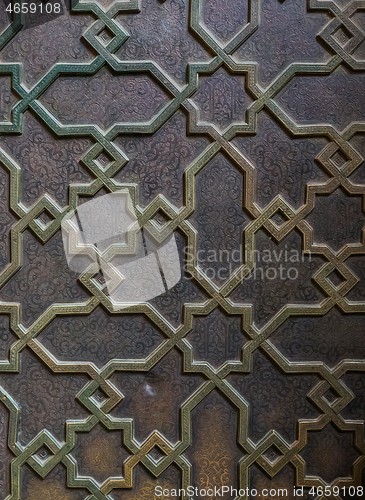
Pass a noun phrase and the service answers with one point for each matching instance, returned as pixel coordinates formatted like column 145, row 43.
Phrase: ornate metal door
column 234, row 128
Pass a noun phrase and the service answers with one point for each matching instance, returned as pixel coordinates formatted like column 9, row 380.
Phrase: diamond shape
column 43, row 455
column 161, row 218
column 101, row 282
column 279, row 218
column 100, row 279
column 156, row 454
column 342, row 35
column 104, row 160
column 339, row 159
column 106, row 36
column 45, row 219
column 99, row 397
column 332, row 156
column 336, row 278
column 273, row 454
column 331, row 396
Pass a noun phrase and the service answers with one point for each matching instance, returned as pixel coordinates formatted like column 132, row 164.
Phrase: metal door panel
column 236, row 128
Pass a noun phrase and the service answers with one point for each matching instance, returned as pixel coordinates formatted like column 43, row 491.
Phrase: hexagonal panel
column 105, row 98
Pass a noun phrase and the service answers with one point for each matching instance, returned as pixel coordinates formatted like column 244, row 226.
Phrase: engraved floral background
column 234, row 124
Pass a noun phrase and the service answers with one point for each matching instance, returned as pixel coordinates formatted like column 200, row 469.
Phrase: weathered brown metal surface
column 238, row 125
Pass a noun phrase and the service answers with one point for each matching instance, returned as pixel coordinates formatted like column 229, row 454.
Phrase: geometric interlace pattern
column 237, row 126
